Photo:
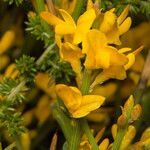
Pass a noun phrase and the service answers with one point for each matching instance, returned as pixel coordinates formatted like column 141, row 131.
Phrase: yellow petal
column 96, row 39
column 104, row 144
column 68, row 19
column 124, row 27
column 124, row 50
column 72, row 54
column 114, row 130
column 113, row 35
column 70, row 96
column 89, row 4
column 131, row 58
column 102, row 59
column 88, row 104
column 50, row 18
column 64, row 28
column 114, row 72
column 123, row 15
column 84, row 23
column 108, row 21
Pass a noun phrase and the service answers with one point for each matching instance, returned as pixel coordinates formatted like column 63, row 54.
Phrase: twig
column 143, row 80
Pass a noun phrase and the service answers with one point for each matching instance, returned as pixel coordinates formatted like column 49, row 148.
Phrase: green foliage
column 7, row 86
column 27, row 68
column 9, row 118
column 36, row 28
column 17, row 2
column 60, row 70
column 136, row 6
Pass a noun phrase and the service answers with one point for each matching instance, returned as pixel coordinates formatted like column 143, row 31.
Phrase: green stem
column 85, row 82
column 10, row 147
column 63, row 121
column 70, row 127
column 84, row 124
column 40, row 8
column 77, row 11
column 118, row 139
column 89, row 134
column 18, row 142
column 75, row 138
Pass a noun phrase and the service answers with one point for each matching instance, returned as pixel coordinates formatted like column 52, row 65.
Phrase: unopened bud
column 129, row 103
column 130, row 134
column 114, row 130
column 136, row 112
column 122, row 120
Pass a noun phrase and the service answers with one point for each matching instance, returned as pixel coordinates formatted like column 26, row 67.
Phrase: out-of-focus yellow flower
column 105, row 90
column 104, row 144
column 98, row 116
column 11, row 71
column 137, row 36
column 25, row 141
column 7, row 41
column 99, row 53
column 144, row 141
column 78, row 105
column 42, row 81
column 4, row 60
column 28, row 116
column 44, row 107
column 114, row 26
column 67, row 26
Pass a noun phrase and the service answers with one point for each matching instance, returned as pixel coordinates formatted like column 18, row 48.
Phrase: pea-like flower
column 67, row 25
column 77, row 104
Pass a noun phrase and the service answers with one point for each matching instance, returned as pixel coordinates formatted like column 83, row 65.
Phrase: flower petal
column 64, row 28
column 124, row 27
column 84, row 23
column 70, row 96
column 123, row 15
column 131, row 58
column 68, row 19
column 50, row 18
column 108, row 21
column 88, row 104
column 114, row 72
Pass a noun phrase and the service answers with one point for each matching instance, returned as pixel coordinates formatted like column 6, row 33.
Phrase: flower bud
column 122, row 120
column 129, row 103
column 114, row 130
column 136, row 112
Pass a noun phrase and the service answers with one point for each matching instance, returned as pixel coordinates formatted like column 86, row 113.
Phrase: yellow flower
column 77, row 104
column 114, row 26
column 4, row 61
column 67, row 26
column 7, row 41
column 42, row 81
column 72, row 54
column 99, row 53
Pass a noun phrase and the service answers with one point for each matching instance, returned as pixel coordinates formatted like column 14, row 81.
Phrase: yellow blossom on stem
column 114, row 26
column 77, row 104
column 67, row 25
column 99, row 53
